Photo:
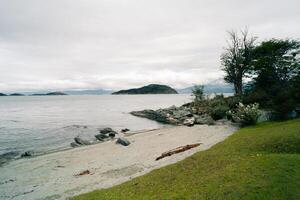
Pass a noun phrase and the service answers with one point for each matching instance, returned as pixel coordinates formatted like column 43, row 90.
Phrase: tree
column 237, row 58
column 198, row 93
column 276, row 72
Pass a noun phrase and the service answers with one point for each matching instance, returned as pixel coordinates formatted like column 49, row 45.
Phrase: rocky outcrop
column 183, row 115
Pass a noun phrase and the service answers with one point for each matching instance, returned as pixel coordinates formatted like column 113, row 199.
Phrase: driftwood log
column 177, row 150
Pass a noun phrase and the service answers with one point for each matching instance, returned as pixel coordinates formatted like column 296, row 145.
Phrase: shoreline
column 109, row 164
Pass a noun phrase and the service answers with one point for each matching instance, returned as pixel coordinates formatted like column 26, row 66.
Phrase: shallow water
column 46, row 123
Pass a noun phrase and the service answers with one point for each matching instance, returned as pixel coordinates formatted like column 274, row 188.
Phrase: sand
column 52, row 176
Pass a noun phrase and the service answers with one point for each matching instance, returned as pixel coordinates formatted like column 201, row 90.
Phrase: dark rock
column 125, row 130
column 106, row 130
column 123, row 141
column 112, row 134
column 27, row 154
column 80, row 141
column 101, row 136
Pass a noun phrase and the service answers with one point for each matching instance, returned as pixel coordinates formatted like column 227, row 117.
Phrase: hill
column 2, row 94
column 259, row 162
column 149, row 89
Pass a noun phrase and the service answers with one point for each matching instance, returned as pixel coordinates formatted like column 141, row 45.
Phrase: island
column 50, row 94
column 149, row 89
column 16, row 94
column 2, row 95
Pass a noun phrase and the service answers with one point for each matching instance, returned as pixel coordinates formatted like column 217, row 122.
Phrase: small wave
column 6, row 157
column 76, row 126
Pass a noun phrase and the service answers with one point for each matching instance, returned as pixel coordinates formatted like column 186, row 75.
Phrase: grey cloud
column 62, row 44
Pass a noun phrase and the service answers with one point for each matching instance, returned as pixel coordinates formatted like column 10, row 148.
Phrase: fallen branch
column 177, row 150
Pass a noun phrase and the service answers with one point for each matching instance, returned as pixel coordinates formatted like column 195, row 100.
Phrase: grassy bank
column 259, row 162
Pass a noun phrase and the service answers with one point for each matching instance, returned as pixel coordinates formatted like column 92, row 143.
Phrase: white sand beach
column 52, row 176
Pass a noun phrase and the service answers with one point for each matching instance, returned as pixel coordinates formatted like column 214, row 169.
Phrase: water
column 47, row 123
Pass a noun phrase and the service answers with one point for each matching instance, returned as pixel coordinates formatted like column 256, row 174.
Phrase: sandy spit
column 53, row 177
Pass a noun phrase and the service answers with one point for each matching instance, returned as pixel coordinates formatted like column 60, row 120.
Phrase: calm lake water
column 46, row 123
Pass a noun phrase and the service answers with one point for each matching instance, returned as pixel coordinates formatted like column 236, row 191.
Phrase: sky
column 79, row 44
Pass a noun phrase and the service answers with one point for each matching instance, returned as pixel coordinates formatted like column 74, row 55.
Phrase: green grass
column 259, row 162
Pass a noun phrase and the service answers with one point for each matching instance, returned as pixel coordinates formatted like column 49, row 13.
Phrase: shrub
column 245, row 114
column 218, row 107
column 218, row 112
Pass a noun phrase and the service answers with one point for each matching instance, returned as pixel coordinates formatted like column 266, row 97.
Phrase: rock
column 112, row 134
column 189, row 122
column 123, row 141
column 80, row 141
column 125, row 130
column 203, row 119
column 106, row 130
column 74, row 144
column 27, row 154
column 101, row 136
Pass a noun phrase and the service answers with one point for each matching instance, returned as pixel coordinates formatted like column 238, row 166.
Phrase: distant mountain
column 216, row 86
column 2, row 94
column 149, row 89
column 88, row 92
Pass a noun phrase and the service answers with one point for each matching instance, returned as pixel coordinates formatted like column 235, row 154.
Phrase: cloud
column 63, row 44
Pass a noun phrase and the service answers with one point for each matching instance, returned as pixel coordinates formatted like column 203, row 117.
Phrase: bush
column 246, row 115
column 218, row 107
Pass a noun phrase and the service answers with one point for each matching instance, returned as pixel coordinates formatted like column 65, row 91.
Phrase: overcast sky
column 80, row 44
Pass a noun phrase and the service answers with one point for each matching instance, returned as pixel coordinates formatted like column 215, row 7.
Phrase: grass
column 258, row 162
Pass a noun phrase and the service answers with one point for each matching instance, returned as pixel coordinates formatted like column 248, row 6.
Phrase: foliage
column 276, row 72
column 218, row 107
column 198, row 93
column 237, row 58
column 259, row 162
column 245, row 114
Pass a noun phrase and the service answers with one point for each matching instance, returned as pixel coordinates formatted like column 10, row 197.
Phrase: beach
column 57, row 175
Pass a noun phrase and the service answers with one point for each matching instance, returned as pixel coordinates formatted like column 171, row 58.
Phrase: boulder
column 112, row 134
column 189, row 122
column 101, row 136
column 80, row 141
column 123, row 141
column 106, row 130
column 125, row 130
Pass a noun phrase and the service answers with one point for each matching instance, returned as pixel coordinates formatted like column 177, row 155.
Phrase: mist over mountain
column 216, row 86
